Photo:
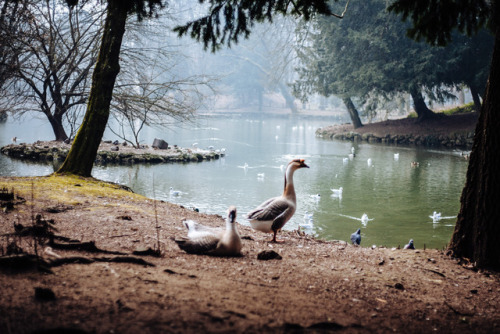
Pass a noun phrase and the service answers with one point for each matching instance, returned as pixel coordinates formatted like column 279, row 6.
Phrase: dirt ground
column 316, row 286
column 458, row 123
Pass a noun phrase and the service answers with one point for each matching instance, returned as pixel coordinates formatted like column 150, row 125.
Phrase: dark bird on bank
column 273, row 214
column 356, row 237
column 410, row 245
column 212, row 241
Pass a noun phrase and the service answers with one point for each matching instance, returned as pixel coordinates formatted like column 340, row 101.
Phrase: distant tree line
column 367, row 56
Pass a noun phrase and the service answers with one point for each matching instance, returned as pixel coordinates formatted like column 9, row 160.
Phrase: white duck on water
column 272, row 215
column 212, row 241
column 436, row 216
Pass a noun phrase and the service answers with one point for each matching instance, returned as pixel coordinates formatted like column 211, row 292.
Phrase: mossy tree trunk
column 81, row 157
column 353, row 112
column 419, row 104
column 477, row 232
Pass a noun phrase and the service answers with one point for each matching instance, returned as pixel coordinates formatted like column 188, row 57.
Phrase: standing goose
column 272, row 215
column 212, row 241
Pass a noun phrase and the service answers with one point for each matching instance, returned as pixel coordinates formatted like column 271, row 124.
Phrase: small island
column 111, row 153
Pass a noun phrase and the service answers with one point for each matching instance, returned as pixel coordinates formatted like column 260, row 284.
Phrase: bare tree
column 12, row 14
column 58, row 47
column 149, row 89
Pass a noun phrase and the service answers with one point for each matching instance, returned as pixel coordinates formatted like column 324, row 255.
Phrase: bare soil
column 440, row 125
column 317, row 286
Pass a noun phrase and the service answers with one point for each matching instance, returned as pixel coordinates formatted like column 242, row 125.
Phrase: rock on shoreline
column 44, row 151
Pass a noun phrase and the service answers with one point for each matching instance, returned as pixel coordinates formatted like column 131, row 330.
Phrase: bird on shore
column 212, row 241
column 356, row 237
column 273, row 214
column 409, row 245
column 415, row 164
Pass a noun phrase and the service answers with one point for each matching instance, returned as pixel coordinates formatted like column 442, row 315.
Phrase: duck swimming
column 436, row 217
column 174, row 192
column 273, row 214
column 337, row 192
column 212, row 241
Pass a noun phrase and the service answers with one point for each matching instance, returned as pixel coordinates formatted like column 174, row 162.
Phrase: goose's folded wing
column 199, row 245
column 197, row 230
column 271, row 209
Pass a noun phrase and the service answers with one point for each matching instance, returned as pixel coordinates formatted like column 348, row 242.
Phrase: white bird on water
column 345, row 161
column 174, row 192
column 396, row 156
column 436, row 217
column 369, row 162
column 337, row 192
column 364, row 219
column 316, row 197
column 308, row 221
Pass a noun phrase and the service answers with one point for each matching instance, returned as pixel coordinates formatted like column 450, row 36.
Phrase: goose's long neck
column 289, row 191
column 230, row 223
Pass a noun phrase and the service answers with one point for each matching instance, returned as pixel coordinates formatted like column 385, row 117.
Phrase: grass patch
column 466, row 108
column 68, row 189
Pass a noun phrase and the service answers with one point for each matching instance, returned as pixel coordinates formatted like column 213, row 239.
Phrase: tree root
column 82, row 246
column 28, row 262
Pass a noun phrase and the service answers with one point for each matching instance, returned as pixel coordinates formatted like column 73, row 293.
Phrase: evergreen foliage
column 368, row 53
column 227, row 20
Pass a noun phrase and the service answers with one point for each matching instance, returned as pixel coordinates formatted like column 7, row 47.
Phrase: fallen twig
column 436, row 272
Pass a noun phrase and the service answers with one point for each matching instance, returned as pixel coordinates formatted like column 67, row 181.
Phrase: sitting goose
column 272, row 215
column 212, row 241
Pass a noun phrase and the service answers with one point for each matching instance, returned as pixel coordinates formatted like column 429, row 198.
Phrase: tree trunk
column 57, row 127
column 420, row 107
column 475, row 98
column 81, row 157
column 290, row 101
column 353, row 113
column 477, row 232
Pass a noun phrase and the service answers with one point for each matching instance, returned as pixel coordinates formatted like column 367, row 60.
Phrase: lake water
column 397, row 198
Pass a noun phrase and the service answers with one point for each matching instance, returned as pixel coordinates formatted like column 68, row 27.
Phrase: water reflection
column 397, row 197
